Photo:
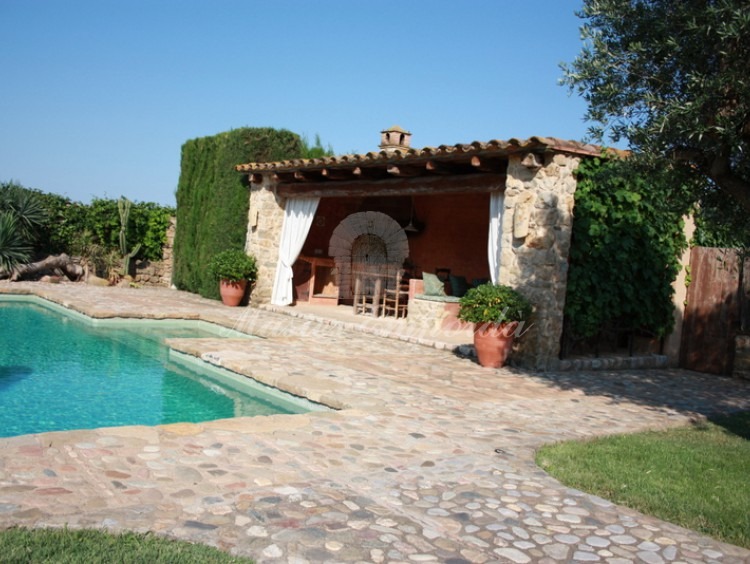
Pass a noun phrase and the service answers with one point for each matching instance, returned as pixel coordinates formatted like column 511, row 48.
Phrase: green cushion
column 459, row 285
column 433, row 286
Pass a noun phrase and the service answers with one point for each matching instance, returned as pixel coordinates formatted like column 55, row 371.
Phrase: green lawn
column 66, row 546
column 697, row 477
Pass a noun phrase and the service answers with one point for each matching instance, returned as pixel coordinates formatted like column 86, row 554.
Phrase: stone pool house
column 496, row 210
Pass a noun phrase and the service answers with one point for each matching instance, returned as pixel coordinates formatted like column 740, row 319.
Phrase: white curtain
column 298, row 217
column 497, row 202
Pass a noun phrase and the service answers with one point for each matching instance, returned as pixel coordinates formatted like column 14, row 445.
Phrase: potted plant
column 233, row 269
column 496, row 312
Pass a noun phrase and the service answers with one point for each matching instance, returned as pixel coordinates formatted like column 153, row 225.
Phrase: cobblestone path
column 428, row 458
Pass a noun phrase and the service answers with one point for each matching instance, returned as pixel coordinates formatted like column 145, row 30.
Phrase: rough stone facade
column 425, row 314
column 158, row 273
column 265, row 220
column 537, row 227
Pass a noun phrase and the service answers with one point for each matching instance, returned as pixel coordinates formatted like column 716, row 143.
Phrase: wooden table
column 323, row 289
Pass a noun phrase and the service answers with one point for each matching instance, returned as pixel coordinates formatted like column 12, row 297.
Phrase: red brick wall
column 453, row 235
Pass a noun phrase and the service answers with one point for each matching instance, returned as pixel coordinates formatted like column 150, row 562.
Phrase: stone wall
column 536, row 227
column 158, row 273
column 265, row 220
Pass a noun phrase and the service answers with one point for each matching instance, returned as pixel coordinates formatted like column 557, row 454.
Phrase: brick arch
column 365, row 223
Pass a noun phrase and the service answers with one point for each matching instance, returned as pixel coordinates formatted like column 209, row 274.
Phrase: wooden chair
column 396, row 299
column 367, row 294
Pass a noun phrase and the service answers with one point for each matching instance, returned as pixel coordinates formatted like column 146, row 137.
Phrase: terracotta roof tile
column 396, row 128
column 493, row 147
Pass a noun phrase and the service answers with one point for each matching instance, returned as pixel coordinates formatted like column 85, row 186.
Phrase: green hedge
column 213, row 198
column 75, row 228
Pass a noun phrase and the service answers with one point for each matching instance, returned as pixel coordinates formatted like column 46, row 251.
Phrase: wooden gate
column 713, row 310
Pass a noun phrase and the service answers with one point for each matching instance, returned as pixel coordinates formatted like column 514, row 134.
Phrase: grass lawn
column 65, row 546
column 697, row 477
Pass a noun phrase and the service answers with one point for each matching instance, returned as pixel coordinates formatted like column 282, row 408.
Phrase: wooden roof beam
column 338, row 174
column 454, row 184
column 280, row 177
column 370, row 172
column 308, row 175
column 436, row 167
column 485, row 164
column 404, row 171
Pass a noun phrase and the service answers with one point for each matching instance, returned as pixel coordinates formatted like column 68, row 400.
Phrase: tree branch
column 720, row 171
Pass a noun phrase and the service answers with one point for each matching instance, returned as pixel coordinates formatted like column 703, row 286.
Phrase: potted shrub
column 233, row 269
column 496, row 312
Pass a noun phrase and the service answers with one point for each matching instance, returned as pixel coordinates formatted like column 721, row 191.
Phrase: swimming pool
column 61, row 371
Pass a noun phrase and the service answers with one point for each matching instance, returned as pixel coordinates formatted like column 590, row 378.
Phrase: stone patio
column 429, row 458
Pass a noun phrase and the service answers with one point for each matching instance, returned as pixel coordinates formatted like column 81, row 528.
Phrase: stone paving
column 429, row 458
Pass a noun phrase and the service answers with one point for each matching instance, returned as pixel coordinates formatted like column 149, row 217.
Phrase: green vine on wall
column 624, row 257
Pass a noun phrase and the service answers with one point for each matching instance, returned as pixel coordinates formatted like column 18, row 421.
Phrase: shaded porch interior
column 445, row 234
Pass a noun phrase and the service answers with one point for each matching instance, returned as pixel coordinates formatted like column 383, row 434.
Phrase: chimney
column 395, row 139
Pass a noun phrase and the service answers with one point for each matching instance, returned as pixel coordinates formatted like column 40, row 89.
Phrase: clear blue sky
column 98, row 96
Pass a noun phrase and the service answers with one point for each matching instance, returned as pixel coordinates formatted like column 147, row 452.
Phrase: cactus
column 123, row 206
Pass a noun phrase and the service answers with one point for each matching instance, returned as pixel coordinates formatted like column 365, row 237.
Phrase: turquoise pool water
column 58, row 372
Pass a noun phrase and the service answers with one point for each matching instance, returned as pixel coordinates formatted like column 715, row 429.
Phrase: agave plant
column 14, row 248
column 25, row 205
column 21, row 213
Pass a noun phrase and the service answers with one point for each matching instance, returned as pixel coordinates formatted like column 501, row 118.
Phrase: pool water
column 59, row 372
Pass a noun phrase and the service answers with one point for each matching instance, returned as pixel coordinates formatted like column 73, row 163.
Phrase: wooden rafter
column 454, row 184
column 404, row 171
column 437, row 167
column 488, row 164
column 337, row 174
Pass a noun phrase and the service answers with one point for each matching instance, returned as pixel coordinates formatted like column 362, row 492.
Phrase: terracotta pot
column 493, row 343
column 232, row 292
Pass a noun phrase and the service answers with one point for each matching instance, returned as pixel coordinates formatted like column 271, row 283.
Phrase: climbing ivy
column 627, row 239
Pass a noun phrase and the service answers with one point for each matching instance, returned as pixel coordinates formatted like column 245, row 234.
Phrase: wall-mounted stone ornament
column 532, row 161
column 524, row 205
column 542, row 238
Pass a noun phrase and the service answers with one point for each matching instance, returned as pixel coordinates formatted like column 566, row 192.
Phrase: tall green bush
column 213, row 198
column 627, row 239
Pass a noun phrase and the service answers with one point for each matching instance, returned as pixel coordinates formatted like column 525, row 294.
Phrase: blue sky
column 98, row 96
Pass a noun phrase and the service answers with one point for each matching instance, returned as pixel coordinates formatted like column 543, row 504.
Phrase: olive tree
column 672, row 77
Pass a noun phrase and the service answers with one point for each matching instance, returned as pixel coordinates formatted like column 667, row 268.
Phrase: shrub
column 492, row 303
column 233, row 265
column 54, row 224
